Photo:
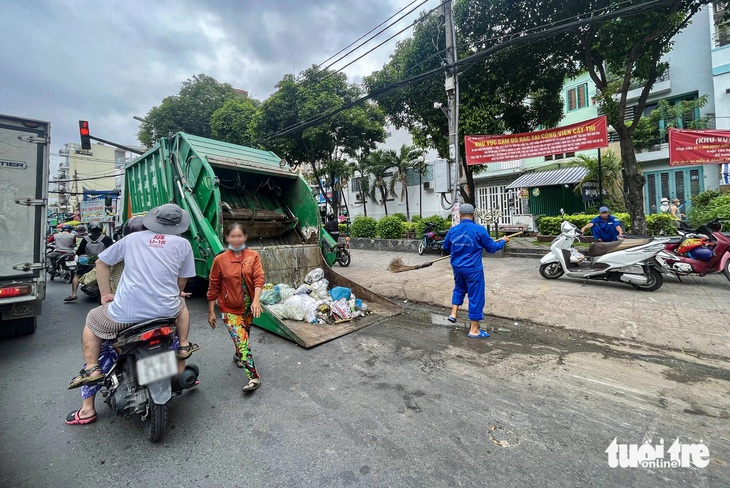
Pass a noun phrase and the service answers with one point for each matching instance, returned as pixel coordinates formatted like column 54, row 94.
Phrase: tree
column 403, row 160
column 612, row 181
column 621, row 54
column 653, row 130
column 494, row 93
column 188, row 111
column 325, row 147
column 232, row 122
column 378, row 165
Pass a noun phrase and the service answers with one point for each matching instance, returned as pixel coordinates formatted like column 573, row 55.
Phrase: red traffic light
column 85, row 134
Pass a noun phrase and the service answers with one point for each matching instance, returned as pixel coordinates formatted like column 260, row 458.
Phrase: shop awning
column 553, row 177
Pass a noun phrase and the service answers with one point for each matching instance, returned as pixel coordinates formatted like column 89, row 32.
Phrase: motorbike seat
column 601, row 248
column 142, row 326
column 443, row 232
column 675, row 240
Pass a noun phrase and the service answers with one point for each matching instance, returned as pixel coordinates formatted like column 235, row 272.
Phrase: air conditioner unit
column 427, row 185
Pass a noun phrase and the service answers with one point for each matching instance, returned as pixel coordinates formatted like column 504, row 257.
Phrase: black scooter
column 145, row 375
column 432, row 239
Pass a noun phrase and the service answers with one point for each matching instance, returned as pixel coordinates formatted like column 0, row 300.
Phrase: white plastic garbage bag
column 319, row 289
column 297, row 306
column 315, row 275
column 285, row 291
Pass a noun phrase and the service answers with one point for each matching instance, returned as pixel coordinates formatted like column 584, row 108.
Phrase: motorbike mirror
column 562, row 211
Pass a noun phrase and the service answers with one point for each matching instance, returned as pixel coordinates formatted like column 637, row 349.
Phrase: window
column 559, row 156
column 577, row 97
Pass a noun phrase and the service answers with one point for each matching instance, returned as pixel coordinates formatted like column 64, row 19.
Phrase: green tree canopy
column 232, row 122
column 189, row 111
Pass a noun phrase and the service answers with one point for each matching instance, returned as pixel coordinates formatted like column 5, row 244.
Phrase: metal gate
column 510, row 203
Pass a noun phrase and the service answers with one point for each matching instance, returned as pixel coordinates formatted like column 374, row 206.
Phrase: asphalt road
column 401, row 403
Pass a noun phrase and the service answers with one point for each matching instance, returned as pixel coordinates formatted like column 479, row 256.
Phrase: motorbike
column 343, row 252
column 710, row 254
column 63, row 266
column 630, row 261
column 432, row 239
column 145, row 375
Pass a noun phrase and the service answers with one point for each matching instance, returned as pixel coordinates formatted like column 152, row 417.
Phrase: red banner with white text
column 589, row 134
column 698, row 147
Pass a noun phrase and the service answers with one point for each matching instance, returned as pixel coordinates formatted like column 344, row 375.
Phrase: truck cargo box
column 219, row 183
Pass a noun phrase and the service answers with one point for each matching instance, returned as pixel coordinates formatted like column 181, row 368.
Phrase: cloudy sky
column 106, row 61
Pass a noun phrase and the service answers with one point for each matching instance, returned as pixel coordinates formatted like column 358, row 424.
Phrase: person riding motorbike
column 65, row 243
column 605, row 227
column 158, row 263
column 89, row 249
column 332, row 227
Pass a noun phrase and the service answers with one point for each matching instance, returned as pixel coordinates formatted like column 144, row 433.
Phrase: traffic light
column 85, row 134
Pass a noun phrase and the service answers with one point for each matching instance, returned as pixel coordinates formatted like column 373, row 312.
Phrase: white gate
column 510, row 203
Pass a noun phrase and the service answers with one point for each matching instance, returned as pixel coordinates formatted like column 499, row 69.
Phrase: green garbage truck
column 219, row 183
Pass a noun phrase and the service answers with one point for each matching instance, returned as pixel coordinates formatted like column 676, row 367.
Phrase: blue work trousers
column 472, row 284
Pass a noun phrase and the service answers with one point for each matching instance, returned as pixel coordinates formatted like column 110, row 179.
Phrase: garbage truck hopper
column 219, row 183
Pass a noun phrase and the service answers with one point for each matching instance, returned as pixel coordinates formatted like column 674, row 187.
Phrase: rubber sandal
column 480, row 335
column 70, row 298
column 451, row 319
column 252, row 384
column 187, row 351
column 74, row 418
column 84, row 378
column 238, row 361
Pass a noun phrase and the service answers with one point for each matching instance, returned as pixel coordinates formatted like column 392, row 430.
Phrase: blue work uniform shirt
column 605, row 230
column 465, row 243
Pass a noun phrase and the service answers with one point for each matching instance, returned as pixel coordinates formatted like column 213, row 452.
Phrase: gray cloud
column 65, row 60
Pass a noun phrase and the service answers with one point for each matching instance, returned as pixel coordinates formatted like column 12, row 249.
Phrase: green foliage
column 441, row 224
column 699, row 204
column 231, row 123
column 342, row 228
column 652, row 130
column 403, row 160
column 389, row 227
column 717, row 207
column 416, row 218
column 377, row 165
column 612, row 178
column 400, row 217
column 189, row 111
column 550, row 226
column 407, row 227
column 661, row 224
column 363, row 227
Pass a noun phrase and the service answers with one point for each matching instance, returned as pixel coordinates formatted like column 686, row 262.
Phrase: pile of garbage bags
column 313, row 301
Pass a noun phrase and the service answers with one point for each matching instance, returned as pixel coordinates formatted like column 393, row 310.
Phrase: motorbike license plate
column 156, row 367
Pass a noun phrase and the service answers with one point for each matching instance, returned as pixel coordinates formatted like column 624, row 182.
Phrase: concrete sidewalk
column 693, row 314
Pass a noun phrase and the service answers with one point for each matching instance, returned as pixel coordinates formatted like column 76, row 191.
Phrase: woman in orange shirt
column 236, row 281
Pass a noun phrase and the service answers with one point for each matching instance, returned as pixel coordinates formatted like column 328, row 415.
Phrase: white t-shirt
column 148, row 287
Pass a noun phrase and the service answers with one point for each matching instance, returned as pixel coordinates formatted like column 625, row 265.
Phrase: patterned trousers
column 239, row 326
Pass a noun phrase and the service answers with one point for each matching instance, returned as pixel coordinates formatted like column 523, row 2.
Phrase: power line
column 366, row 34
column 87, row 179
column 518, row 38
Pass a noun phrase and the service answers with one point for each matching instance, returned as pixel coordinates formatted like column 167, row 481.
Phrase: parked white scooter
column 631, row 261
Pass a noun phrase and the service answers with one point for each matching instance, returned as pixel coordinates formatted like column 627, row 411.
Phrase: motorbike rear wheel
column 727, row 269
column 156, row 422
column 344, row 258
column 551, row 271
column 421, row 246
column 655, row 280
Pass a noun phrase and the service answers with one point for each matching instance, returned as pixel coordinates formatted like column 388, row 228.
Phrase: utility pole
column 452, row 92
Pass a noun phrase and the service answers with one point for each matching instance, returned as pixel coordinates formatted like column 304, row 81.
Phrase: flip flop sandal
column 451, row 319
column 84, row 378
column 238, row 361
column 74, row 418
column 252, row 385
column 70, row 298
column 184, row 352
column 480, row 335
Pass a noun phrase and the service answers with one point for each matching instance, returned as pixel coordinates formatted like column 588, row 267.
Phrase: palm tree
column 403, row 160
column 612, row 177
column 378, row 164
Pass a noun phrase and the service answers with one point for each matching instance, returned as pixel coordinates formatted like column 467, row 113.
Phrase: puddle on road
column 530, row 339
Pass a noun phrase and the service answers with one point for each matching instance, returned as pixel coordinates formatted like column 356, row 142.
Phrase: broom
column 398, row 266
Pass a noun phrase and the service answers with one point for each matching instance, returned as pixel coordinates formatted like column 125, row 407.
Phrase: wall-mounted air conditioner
column 427, row 185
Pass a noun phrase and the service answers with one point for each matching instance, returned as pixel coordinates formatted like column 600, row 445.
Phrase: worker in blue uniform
column 605, row 227
column 465, row 242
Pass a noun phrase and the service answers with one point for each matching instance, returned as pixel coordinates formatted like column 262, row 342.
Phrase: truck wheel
column 156, row 423
column 655, row 280
column 551, row 271
column 23, row 327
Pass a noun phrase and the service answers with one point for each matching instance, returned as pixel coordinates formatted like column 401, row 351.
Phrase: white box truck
column 24, row 168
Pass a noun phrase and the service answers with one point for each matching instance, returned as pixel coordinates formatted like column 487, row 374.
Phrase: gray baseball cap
column 466, row 209
column 167, row 219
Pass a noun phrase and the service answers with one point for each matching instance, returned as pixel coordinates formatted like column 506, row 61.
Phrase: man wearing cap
column 157, row 264
column 465, row 242
column 605, row 227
